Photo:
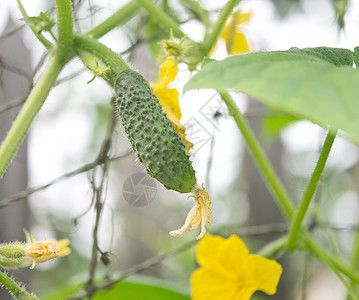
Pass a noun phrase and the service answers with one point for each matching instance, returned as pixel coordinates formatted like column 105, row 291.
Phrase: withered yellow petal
column 243, row 17
column 169, row 101
column 168, row 72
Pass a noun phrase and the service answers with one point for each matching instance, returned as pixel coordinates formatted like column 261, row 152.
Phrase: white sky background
column 58, row 140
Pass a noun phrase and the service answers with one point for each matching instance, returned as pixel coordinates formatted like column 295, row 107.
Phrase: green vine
column 85, row 45
column 260, row 158
column 15, row 289
column 309, row 192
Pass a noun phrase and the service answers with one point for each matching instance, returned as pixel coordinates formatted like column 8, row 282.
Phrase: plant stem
column 30, row 109
column 64, row 27
column 271, row 179
column 332, row 262
column 47, row 44
column 159, row 16
column 83, row 44
column 274, row 248
column 354, row 261
column 120, row 17
column 15, row 289
column 211, row 39
column 311, row 188
column 199, row 11
column 345, row 283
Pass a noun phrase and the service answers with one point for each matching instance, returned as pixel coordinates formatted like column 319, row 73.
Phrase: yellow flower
column 94, row 65
column 174, row 47
column 169, row 98
column 45, row 250
column 229, row 272
column 235, row 39
column 199, row 214
column 20, row 254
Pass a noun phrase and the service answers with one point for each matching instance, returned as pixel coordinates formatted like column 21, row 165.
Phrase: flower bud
column 13, row 255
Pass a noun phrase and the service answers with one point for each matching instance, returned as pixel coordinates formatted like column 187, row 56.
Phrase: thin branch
column 87, row 167
column 11, row 31
column 14, row 69
column 98, row 192
column 69, row 77
column 20, row 100
column 14, row 103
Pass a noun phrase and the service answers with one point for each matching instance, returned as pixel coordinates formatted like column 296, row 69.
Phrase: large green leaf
column 138, row 288
column 316, row 83
column 135, row 291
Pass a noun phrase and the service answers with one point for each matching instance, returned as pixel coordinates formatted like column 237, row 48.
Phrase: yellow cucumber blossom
column 169, row 98
column 183, row 50
column 20, row 254
column 174, row 48
column 199, row 214
column 45, row 250
column 236, row 41
column 228, row 271
column 94, row 65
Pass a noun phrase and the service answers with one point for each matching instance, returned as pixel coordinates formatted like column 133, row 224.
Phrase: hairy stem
column 354, row 260
column 14, row 288
column 274, row 248
column 64, row 27
column 85, row 45
column 271, row 178
column 311, row 188
column 28, row 112
column 334, row 263
column 120, row 17
column 211, row 39
column 159, row 16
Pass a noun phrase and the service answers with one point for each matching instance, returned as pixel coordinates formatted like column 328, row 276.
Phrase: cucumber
column 151, row 133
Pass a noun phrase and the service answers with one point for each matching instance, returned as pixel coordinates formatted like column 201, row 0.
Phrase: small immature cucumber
column 151, row 133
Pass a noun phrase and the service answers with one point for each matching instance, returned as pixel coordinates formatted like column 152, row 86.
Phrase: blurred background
column 139, row 212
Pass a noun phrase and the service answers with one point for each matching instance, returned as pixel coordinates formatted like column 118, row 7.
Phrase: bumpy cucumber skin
column 152, row 136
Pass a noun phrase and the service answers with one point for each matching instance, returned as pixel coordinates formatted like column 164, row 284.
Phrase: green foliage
column 356, row 56
column 336, row 56
column 139, row 288
column 41, row 23
column 272, row 125
column 135, row 291
column 316, row 83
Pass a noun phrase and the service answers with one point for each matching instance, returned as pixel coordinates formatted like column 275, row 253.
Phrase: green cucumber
column 151, row 133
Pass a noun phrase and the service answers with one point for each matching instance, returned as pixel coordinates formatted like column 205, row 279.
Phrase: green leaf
column 356, row 56
column 135, row 291
column 140, row 287
column 273, row 125
column 336, row 56
column 318, row 83
column 41, row 23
